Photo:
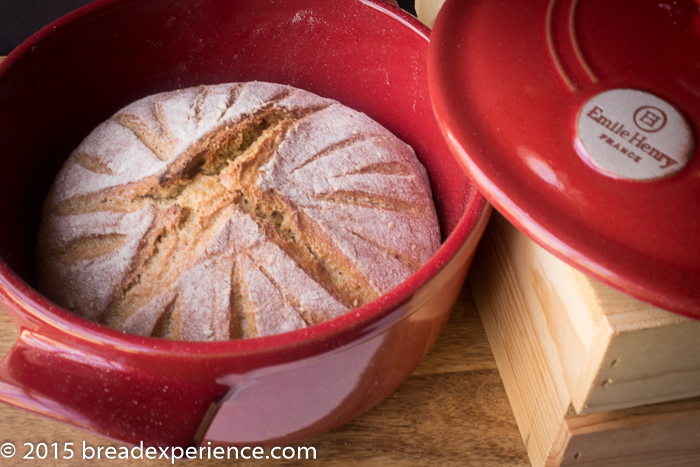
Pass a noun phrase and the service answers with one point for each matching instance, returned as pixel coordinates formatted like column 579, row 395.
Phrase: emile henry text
column 638, row 140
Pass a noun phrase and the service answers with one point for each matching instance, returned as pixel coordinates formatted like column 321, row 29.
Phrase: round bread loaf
column 233, row 211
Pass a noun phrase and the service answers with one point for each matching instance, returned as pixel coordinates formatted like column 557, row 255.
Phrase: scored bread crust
column 231, row 211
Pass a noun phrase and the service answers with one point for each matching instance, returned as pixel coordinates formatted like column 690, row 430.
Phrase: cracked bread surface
column 233, row 211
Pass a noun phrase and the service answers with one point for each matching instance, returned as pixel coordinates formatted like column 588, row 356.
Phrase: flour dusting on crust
column 233, row 211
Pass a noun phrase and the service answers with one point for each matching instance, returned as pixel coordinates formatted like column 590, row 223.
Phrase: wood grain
column 658, row 435
column 558, row 335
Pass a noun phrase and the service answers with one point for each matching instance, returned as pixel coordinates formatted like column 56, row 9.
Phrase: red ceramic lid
column 579, row 121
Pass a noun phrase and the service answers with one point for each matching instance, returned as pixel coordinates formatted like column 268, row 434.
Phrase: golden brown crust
column 232, row 211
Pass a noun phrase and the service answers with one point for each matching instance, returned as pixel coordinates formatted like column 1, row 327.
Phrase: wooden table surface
column 452, row 410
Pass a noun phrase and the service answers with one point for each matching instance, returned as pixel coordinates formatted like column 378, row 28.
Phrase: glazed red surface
column 510, row 116
column 72, row 75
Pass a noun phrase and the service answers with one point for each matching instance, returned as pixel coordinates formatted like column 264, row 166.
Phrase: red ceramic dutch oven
column 77, row 72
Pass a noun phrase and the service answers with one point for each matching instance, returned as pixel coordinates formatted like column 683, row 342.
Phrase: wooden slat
column 658, row 435
column 651, row 355
column 538, row 395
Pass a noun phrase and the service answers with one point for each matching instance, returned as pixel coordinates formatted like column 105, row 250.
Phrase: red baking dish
column 77, row 72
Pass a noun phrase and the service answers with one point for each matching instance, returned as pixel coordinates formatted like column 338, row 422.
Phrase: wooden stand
column 581, row 362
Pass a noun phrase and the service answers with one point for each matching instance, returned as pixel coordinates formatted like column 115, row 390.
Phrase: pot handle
column 101, row 394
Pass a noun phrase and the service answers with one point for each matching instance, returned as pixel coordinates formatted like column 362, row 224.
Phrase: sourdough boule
column 232, row 211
